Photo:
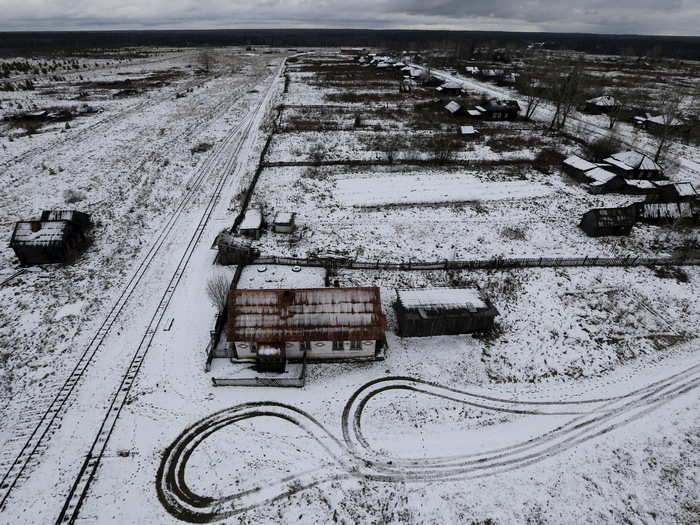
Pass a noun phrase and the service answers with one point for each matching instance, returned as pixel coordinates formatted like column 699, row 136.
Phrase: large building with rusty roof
column 316, row 323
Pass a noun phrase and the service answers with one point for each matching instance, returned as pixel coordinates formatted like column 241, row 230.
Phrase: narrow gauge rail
column 79, row 490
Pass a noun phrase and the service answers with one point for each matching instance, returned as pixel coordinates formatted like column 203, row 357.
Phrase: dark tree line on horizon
column 14, row 43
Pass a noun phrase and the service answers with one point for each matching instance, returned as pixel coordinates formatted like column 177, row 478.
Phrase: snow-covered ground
column 581, row 406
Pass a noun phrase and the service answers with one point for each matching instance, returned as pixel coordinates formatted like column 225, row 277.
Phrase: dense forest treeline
column 13, row 43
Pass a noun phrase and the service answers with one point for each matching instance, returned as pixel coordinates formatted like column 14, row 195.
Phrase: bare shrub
column 513, row 233
column 603, row 147
column 71, row 196
column 217, row 290
column 547, row 160
column 443, row 148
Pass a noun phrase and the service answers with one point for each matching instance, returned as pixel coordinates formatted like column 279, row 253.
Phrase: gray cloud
column 598, row 16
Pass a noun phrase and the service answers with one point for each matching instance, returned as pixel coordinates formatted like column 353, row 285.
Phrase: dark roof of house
column 612, row 217
column 315, row 314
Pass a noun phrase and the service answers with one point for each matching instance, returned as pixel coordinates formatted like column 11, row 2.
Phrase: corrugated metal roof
column 452, row 107
column 578, row 163
column 315, row 314
column 634, row 159
column 441, row 299
column 39, row 233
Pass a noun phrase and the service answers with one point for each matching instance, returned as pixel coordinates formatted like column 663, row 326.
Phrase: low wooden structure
column 604, row 181
column 576, row 167
column 664, row 212
column 57, row 237
column 252, row 223
column 603, row 104
column 634, row 165
column 676, row 192
column 499, row 109
column 284, row 222
column 316, row 324
column 608, row 221
column 443, row 311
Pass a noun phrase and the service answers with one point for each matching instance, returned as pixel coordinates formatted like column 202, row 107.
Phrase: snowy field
column 580, row 406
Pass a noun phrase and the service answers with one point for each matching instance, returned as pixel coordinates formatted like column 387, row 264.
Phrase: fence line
column 398, row 162
column 479, row 264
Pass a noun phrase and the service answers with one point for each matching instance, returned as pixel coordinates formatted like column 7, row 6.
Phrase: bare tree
column 530, row 83
column 669, row 110
column 566, row 90
column 205, row 59
column 218, row 290
column 622, row 101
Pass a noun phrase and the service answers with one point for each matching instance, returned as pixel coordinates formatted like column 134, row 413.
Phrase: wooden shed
column 284, row 222
column 604, row 181
column 608, row 221
column 252, row 223
column 428, row 312
column 577, row 167
column 57, row 237
column 677, row 192
column 318, row 324
column 634, row 165
column 664, row 212
column 498, row 109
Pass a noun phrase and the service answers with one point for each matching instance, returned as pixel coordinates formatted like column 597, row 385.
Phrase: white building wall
column 318, row 350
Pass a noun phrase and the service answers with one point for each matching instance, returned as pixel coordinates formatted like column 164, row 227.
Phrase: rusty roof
column 308, row 314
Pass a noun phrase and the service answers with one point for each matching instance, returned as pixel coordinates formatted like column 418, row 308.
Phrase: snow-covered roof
column 252, row 219
column 600, row 176
column 314, row 314
column 662, row 121
column 665, row 210
column 480, row 109
column 684, row 189
column 468, row 130
column 641, row 184
column 452, row 107
column 604, row 101
column 618, row 164
column 283, row 217
column 474, row 112
column 634, row 159
column 39, row 233
column 441, row 299
column 578, row 163
column 452, row 84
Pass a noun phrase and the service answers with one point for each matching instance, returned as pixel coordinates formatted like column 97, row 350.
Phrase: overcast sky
column 659, row 17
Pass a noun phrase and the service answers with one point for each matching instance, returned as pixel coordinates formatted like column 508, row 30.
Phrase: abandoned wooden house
column 58, row 237
column 443, row 311
column 677, row 192
column 664, row 212
column 660, row 122
column 314, row 324
column 284, row 222
column 498, row 109
column 634, row 165
column 603, row 104
column 234, row 252
column 252, row 223
column 577, row 167
column 603, row 181
column 453, row 108
column 451, row 88
column 608, row 221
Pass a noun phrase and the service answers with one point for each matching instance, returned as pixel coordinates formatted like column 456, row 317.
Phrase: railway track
column 220, row 161
column 79, row 490
column 353, row 457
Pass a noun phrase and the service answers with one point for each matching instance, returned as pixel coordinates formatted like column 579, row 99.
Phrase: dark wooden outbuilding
column 576, row 167
column 678, row 192
column 634, row 165
column 443, row 311
column 608, row 221
column 57, row 237
column 496, row 109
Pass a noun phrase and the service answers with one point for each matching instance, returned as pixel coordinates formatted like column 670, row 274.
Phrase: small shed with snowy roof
column 608, row 221
column 604, row 181
column 453, row 107
column 426, row 312
column 252, row 223
column 577, row 167
column 284, row 222
column 603, row 104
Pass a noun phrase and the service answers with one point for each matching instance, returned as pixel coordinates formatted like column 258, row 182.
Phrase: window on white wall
column 355, row 345
column 305, row 346
column 338, row 346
